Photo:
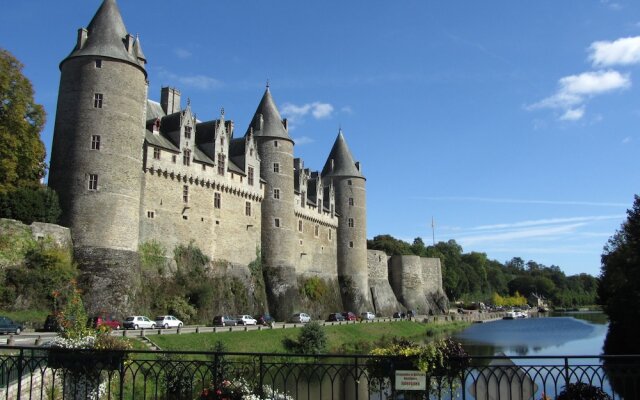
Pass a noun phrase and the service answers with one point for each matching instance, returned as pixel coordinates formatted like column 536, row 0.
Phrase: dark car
column 105, row 320
column 8, row 326
column 397, row 315
column 349, row 316
column 224, row 320
column 264, row 319
column 335, row 317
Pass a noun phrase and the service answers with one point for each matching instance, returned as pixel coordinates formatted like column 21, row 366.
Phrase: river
column 566, row 334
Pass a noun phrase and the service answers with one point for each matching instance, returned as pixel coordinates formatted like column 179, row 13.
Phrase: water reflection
column 534, row 336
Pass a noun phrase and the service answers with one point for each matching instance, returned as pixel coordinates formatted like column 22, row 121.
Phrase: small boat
column 510, row 315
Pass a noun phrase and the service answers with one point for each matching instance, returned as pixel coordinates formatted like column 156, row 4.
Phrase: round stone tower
column 351, row 207
column 275, row 148
column 96, row 160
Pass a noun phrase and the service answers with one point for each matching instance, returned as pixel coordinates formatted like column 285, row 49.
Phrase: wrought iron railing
column 34, row 373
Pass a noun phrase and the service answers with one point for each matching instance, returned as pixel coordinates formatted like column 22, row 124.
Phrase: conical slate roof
column 106, row 36
column 272, row 125
column 343, row 164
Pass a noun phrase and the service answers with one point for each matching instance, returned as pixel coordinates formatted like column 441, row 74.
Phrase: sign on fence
column 411, row 380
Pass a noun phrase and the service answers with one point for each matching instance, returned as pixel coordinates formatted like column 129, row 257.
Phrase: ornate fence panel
column 35, row 373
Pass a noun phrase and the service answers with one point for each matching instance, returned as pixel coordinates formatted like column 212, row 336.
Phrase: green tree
column 22, row 153
column 619, row 288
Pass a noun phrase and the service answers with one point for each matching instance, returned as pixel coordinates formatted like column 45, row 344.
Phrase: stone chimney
column 170, row 100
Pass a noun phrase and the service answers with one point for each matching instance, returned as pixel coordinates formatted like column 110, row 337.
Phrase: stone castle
column 129, row 170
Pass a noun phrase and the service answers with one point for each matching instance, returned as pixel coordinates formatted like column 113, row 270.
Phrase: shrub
column 153, row 257
column 312, row 340
column 314, row 288
column 582, row 391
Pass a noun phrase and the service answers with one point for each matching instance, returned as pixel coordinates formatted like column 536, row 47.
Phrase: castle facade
column 129, row 170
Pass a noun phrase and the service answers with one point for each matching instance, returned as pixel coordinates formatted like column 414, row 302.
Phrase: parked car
column 246, row 320
column 51, row 324
column 349, row 316
column 138, row 322
column 8, row 326
column 337, row 317
column 300, row 317
column 168, row 321
column 224, row 320
column 104, row 320
column 264, row 319
column 367, row 316
column 398, row 314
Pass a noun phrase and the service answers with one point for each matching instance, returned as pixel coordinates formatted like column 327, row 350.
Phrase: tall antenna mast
column 433, row 230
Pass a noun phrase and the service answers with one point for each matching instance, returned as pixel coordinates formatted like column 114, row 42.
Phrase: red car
column 105, row 320
column 349, row 316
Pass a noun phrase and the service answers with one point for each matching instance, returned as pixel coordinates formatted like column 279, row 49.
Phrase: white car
column 168, row 321
column 138, row 322
column 300, row 317
column 367, row 316
column 246, row 320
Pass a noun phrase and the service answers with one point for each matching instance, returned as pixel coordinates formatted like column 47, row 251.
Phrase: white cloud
column 538, row 232
column 182, row 53
column 573, row 114
column 623, row 51
column 296, row 113
column 529, row 201
column 612, row 5
column 201, row 82
column 574, row 90
column 302, row 140
column 548, row 221
column 626, row 140
column 347, row 110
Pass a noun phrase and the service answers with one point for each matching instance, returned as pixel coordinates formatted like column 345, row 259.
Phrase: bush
column 153, row 257
column 31, row 204
column 314, row 288
column 582, row 391
column 312, row 340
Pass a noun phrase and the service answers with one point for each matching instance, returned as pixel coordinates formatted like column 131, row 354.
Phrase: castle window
column 320, row 206
column 350, row 222
column 316, row 231
column 98, row 63
column 221, row 160
column 330, row 234
column 185, row 194
column 350, row 201
column 276, row 167
column 247, row 209
column 276, row 222
column 97, row 100
column 349, row 182
column 93, row 181
column 222, row 141
column 156, row 153
column 332, row 210
column 276, row 193
column 217, row 200
column 151, row 214
column 186, row 157
column 187, row 132
column 251, row 152
column 250, row 175
column 275, row 143
column 351, row 244
column 174, row 158
column 299, row 225
column 204, row 167
column 303, row 199
column 95, row 142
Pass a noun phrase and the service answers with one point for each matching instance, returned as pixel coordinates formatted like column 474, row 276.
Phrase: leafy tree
column 22, row 153
column 619, row 288
column 312, row 339
column 28, row 204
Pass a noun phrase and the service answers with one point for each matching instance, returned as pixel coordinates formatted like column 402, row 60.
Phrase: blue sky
column 515, row 125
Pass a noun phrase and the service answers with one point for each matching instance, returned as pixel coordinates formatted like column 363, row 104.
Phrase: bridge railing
column 35, row 373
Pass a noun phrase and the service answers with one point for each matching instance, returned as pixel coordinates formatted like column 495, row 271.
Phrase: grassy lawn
column 353, row 338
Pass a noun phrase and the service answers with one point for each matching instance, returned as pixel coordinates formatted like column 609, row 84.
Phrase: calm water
column 565, row 334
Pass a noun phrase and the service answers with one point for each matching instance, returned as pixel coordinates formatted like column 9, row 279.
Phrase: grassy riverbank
column 347, row 339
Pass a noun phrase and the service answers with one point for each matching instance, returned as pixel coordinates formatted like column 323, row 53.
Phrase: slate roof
column 106, row 34
column 272, row 122
column 158, row 140
column 343, row 164
column 154, row 110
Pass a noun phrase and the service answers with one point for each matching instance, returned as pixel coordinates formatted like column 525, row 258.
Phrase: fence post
column 566, row 371
column 261, row 378
column 356, row 383
column 20, row 361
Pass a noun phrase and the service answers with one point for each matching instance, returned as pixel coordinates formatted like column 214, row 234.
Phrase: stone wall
column 384, row 300
column 417, row 282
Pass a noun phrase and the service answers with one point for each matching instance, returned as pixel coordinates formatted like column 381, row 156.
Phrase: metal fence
column 32, row 373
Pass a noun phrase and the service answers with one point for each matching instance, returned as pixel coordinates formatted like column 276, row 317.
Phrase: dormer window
column 320, row 206
column 186, row 157
column 187, row 132
column 156, row 126
column 250, row 176
column 222, row 141
column 251, row 152
column 221, row 160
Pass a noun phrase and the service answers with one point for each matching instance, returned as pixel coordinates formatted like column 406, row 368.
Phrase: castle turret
column 275, row 148
column 350, row 202
column 96, row 163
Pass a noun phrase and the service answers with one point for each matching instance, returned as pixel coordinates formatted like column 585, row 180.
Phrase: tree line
column 474, row 277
